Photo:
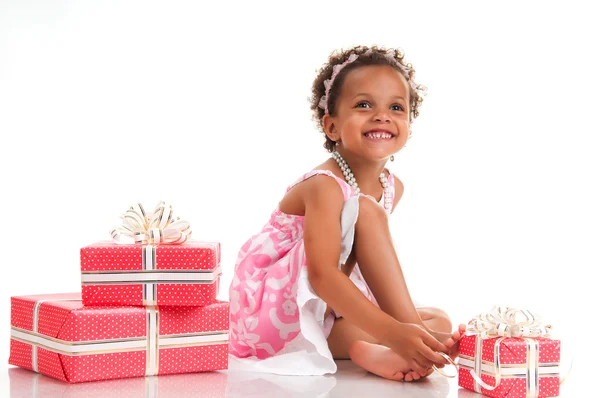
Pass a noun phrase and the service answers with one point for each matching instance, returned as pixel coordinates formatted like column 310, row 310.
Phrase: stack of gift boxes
column 147, row 307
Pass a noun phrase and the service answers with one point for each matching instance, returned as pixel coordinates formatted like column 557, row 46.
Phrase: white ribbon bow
column 159, row 226
column 507, row 322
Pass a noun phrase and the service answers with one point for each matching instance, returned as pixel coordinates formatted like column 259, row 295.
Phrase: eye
column 397, row 107
column 363, row 104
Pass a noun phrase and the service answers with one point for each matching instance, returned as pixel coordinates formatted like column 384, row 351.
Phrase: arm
column 323, row 201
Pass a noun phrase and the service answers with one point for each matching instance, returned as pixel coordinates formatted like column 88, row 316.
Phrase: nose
column 382, row 115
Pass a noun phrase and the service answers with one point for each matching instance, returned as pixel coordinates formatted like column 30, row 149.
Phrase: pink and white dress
column 277, row 322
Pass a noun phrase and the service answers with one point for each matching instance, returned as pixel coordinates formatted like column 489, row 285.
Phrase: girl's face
column 372, row 118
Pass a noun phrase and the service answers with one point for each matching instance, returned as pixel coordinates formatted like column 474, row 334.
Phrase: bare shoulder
column 322, row 192
column 398, row 191
column 318, row 191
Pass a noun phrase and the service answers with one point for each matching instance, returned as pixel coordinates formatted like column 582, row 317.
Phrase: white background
column 104, row 104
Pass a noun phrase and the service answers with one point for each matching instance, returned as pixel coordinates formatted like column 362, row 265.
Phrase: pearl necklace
column 387, row 189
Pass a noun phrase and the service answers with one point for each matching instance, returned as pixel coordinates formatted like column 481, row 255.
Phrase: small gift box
column 57, row 336
column 151, row 262
column 508, row 353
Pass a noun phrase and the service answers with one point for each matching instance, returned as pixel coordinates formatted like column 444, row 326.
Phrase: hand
column 415, row 345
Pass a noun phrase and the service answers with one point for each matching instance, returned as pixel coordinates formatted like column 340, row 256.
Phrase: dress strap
column 392, row 181
column 346, row 189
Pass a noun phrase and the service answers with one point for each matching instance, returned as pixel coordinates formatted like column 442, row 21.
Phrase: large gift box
column 494, row 363
column 150, row 261
column 57, row 336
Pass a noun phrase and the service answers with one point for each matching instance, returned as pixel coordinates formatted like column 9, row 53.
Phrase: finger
column 416, row 367
column 433, row 343
column 424, row 362
column 432, row 356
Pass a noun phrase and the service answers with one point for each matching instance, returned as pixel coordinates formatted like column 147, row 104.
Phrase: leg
column 347, row 341
column 378, row 262
column 435, row 319
column 343, row 335
column 439, row 322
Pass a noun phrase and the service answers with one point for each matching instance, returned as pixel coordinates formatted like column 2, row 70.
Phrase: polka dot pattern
column 193, row 359
column 186, row 294
column 191, row 255
column 512, row 351
column 102, row 323
column 180, row 320
column 109, row 256
column 49, row 363
column 112, row 295
column 104, row 366
column 52, row 316
column 21, row 314
column 20, row 354
column 71, row 321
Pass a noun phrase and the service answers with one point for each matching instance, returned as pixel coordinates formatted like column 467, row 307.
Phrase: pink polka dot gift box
column 57, row 336
column 508, row 353
column 151, row 261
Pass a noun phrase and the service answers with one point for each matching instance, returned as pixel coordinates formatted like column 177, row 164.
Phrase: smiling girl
column 321, row 280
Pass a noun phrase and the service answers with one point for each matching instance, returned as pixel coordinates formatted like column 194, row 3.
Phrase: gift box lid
column 191, row 255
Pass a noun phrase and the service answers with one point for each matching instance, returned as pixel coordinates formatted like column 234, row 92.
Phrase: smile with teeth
column 379, row 135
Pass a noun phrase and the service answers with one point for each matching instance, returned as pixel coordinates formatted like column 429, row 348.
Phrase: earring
column 392, row 158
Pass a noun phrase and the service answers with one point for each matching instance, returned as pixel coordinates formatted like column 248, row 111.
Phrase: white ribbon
column 36, row 316
column 159, row 226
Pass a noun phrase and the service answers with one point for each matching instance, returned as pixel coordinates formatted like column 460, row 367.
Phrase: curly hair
column 377, row 56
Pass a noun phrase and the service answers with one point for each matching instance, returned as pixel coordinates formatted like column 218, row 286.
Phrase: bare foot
column 449, row 340
column 379, row 360
column 414, row 376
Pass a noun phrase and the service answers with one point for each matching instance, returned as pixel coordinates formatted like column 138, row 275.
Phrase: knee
column 369, row 209
column 442, row 320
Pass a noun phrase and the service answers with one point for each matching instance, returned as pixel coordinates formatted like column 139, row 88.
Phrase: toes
column 398, row 376
column 412, row 376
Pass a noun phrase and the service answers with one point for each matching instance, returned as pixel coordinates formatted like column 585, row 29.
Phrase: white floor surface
column 349, row 381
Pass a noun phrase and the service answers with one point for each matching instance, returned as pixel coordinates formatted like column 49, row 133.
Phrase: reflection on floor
column 349, row 381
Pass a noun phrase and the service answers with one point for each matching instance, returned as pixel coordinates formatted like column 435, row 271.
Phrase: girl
column 322, row 281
